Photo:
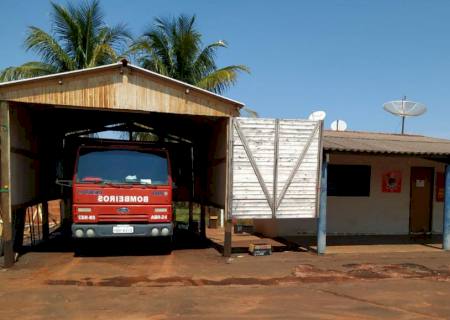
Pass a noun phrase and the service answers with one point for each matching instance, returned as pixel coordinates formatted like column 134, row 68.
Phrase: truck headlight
column 155, row 232
column 165, row 232
column 90, row 233
column 79, row 233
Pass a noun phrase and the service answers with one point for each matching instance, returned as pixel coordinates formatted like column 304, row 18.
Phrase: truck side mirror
column 64, row 183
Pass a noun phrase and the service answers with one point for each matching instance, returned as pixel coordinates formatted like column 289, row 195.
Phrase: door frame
column 430, row 224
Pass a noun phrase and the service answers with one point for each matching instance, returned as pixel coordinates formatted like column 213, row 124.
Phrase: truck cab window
column 122, row 167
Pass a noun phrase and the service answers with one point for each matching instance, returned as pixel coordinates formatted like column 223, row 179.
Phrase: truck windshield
column 122, row 166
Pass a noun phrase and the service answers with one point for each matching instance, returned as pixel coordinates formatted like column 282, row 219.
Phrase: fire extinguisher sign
column 440, row 187
column 392, row 182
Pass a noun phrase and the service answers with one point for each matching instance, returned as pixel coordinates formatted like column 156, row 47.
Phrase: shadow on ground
column 308, row 243
column 62, row 242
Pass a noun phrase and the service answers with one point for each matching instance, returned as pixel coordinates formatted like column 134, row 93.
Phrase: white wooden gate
column 275, row 168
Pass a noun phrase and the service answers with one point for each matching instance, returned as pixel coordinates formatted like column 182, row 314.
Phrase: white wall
column 381, row 213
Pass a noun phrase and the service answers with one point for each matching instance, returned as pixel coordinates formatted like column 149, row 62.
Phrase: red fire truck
column 122, row 191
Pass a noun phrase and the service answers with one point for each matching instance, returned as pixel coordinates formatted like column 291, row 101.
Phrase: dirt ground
column 196, row 282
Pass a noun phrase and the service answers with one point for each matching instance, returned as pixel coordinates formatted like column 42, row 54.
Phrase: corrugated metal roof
column 373, row 142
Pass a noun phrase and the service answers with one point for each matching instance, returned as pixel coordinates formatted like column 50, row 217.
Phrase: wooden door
column 421, row 199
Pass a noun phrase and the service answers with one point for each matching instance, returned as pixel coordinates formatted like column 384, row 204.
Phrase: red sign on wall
column 440, row 188
column 392, row 181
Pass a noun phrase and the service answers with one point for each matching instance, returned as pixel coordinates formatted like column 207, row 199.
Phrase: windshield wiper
column 137, row 183
column 92, row 181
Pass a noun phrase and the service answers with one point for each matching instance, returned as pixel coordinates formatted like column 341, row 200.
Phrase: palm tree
column 173, row 47
column 79, row 39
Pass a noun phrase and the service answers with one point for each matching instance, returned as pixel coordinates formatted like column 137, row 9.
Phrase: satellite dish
column 405, row 108
column 317, row 115
column 339, row 125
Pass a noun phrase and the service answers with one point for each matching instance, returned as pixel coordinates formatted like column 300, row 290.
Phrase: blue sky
column 345, row 57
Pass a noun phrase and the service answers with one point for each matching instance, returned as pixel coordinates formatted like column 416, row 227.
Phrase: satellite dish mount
column 403, row 116
column 405, row 108
column 339, row 125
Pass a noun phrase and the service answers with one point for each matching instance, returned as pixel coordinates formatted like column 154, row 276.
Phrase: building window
column 348, row 180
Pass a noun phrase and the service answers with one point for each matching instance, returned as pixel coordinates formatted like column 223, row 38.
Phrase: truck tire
column 167, row 245
column 79, row 247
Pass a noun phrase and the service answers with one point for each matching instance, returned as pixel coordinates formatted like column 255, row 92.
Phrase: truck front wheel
column 167, row 244
column 79, row 247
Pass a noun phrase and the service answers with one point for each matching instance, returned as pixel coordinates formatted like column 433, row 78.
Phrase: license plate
column 123, row 229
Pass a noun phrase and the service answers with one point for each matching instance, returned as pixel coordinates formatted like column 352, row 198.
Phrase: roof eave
column 432, row 154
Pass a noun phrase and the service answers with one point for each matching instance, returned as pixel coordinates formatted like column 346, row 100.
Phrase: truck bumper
column 80, row 231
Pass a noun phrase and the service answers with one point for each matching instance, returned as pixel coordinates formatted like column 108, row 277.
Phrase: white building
column 378, row 184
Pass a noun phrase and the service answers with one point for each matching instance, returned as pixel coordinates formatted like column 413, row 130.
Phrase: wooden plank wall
column 301, row 196
column 118, row 88
column 217, row 153
column 24, row 156
column 299, row 185
column 249, row 200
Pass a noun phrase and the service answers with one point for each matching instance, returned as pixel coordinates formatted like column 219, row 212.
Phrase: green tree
column 173, row 47
column 79, row 39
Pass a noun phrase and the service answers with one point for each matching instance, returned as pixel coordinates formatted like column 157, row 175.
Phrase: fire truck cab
column 122, row 191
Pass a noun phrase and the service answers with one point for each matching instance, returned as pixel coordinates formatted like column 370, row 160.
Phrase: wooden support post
column 322, row 220
column 203, row 162
column 45, row 222
column 446, row 227
column 19, row 223
column 66, row 221
column 203, row 219
column 227, row 243
column 5, row 186
column 191, row 191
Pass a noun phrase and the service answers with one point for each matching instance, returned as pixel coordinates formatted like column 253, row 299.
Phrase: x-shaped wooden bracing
column 274, row 202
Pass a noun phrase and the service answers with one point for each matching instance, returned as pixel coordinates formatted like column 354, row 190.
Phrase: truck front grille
column 122, row 217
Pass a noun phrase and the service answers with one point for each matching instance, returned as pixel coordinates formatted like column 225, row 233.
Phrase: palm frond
column 173, row 47
column 109, row 45
column 79, row 38
column 250, row 112
column 159, row 45
column 221, row 79
column 48, row 48
column 103, row 54
column 27, row 70
column 205, row 61
column 66, row 28
column 90, row 20
column 118, row 37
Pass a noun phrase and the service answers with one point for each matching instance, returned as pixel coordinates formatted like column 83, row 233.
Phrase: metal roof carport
column 38, row 114
column 395, row 145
